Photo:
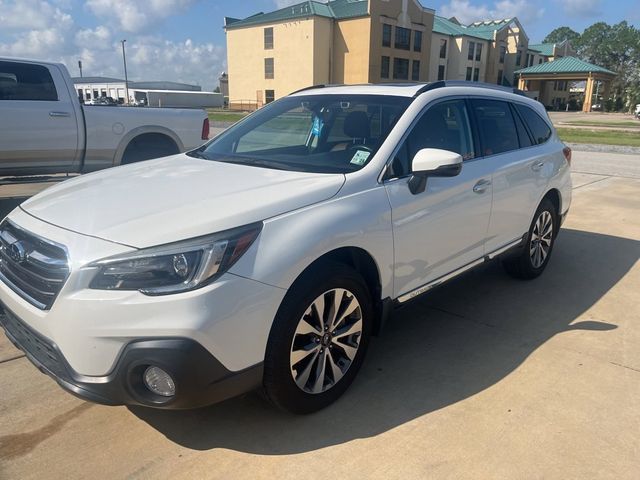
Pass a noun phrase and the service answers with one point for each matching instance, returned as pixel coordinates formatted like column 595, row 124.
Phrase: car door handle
column 59, row 114
column 536, row 167
column 481, row 186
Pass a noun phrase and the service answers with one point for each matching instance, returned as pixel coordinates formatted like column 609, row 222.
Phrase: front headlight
column 175, row 267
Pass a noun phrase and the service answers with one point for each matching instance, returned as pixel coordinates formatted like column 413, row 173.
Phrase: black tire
column 522, row 266
column 279, row 384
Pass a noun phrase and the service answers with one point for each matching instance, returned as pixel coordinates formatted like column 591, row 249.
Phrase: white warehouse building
column 152, row 94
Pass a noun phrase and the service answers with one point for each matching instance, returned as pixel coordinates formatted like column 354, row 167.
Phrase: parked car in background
column 596, row 107
column 269, row 256
column 105, row 101
column 637, row 112
column 45, row 129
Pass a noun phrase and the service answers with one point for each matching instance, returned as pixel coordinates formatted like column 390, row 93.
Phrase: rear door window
column 23, row 81
column 539, row 128
column 497, row 128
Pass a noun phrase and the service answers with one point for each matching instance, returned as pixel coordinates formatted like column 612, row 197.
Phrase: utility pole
column 126, row 79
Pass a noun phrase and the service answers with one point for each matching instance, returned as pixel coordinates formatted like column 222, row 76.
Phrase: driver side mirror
column 433, row 162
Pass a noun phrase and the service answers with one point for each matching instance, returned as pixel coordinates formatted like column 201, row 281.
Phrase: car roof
column 405, row 89
column 443, row 87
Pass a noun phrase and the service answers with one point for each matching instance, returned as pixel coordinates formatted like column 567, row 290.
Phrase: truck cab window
column 22, row 81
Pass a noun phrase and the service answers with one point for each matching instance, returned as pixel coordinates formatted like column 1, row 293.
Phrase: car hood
column 175, row 198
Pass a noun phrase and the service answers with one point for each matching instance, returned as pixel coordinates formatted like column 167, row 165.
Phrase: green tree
column 560, row 34
column 617, row 48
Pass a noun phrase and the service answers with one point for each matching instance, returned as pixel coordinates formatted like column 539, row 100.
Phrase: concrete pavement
column 486, row 377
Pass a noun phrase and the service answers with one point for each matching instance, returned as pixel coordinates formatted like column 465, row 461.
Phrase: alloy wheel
column 541, row 238
column 326, row 341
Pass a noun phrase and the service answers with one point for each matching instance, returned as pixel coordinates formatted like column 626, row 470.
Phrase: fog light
column 159, row 382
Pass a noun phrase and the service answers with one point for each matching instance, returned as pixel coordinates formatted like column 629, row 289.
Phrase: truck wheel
column 148, row 146
column 318, row 340
column 536, row 252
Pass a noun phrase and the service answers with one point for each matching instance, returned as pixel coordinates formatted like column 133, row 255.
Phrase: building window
column 440, row 72
column 526, row 61
column 417, row 41
column 476, row 74
column 499, row 77
column 386, row 35
column 472, row 47
column 268, row 38
column 531, row 60
column 415, row 70
column 478, row 52
column 518, row 57
column 443, row 48
column 268, row 68
column 403, row 38
column 269, row 96
column 503, row 52
column 401, row 68
column 469, row 73
column 539, row 61
column 384, row 67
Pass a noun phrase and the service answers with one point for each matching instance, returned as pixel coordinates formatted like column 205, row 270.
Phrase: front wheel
column 318, row 340
column 536, row 252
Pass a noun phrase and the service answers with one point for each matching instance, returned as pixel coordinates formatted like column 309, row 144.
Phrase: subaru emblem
column 16, row 252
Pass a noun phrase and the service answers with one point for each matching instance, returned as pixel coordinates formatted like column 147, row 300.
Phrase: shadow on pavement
column 454, row 343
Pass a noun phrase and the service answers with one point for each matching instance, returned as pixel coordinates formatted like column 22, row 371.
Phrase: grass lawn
column 225, row 116
column 603, row 137
column 596, row 123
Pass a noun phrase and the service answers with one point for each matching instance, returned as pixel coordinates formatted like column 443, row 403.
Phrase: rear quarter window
column 23, row 81
column 539, row 128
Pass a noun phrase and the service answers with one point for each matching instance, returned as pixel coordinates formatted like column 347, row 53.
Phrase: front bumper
column 199, row 377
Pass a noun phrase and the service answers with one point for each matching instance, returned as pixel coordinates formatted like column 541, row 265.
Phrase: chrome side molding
column 440, row 280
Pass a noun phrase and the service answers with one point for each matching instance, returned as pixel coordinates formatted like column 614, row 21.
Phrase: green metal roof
column 338, row 9
column 565, row 65
column 447, row 27
column 545, row 49
column 486, row 28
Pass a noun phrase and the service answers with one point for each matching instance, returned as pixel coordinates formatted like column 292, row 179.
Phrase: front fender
column 289, row 243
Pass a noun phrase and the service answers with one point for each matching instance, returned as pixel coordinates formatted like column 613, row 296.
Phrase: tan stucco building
column 272, row 54
column 269, row 55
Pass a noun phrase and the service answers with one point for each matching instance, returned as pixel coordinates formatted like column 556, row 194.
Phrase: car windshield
column 310, row 133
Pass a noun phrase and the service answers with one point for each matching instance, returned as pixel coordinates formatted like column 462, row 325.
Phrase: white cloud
column 467, row 11
column 100, row 37
column 136, row 16
column 35, row 44
column 56, row 38
column 31, row 14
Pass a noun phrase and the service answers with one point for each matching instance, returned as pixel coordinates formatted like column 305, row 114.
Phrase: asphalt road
column 486, row 377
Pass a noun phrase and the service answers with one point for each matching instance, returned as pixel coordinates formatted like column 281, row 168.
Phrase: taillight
column 205, row 129
column 567, row 154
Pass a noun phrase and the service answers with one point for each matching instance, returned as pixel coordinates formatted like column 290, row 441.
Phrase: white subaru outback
column 269, row 256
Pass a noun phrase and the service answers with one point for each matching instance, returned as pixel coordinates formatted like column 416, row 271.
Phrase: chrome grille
column 33, row 267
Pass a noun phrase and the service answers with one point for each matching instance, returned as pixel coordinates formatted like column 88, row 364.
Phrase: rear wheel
column 318, row 340
column 536, row 252
column 148, row 146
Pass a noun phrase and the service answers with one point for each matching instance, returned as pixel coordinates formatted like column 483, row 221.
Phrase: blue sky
column 183, row 40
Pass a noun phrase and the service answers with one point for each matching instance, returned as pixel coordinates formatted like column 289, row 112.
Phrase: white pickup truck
column 44, row 129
